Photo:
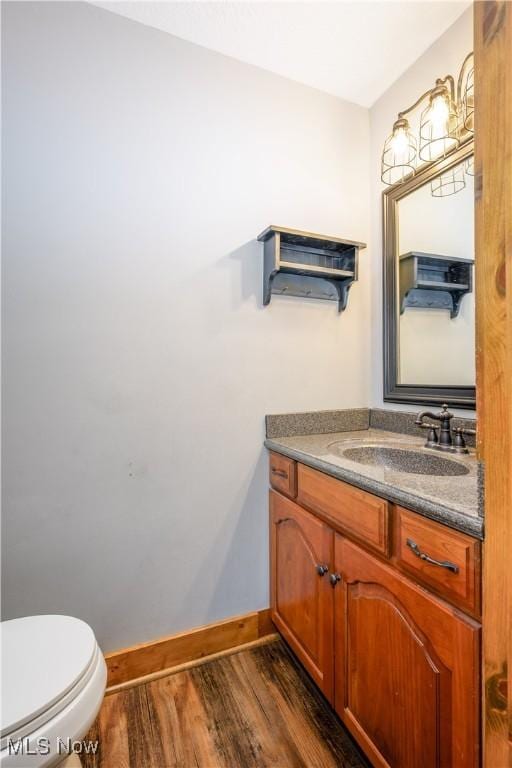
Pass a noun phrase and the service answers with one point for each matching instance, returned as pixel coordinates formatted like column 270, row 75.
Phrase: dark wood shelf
column 308, row 265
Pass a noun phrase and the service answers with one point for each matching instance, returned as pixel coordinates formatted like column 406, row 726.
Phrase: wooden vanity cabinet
column 359, row 514
column 406, row 667
column 382, row 635
column 283, row 474
column 301, row 596
column 456, row 576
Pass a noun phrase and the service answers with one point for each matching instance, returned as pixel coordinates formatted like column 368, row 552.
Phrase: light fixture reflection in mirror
column 448, row 183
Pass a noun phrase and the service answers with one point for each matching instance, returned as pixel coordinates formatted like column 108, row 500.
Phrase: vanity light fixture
column 468, row 102
column 439, row 124
column 399, row 153
column 446, row 122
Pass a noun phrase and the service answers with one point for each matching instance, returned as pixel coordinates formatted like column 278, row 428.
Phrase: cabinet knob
column 334, row 578
column 322, row 569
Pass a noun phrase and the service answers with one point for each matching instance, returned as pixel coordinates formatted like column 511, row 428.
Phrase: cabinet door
column 406, row 676
column 301, row 595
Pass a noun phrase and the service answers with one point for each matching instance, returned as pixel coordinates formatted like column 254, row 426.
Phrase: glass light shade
column 438, row 126
column 399, row 154
column 468, row 102
column 448, row 183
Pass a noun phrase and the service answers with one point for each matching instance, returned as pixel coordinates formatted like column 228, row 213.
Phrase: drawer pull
column 322, row 569
column 423, row 556
column 280, row 473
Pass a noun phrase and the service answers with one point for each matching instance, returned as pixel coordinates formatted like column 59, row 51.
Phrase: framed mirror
column 429, row 300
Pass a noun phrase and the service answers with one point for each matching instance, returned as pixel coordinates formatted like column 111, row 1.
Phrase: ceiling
column 354, row 50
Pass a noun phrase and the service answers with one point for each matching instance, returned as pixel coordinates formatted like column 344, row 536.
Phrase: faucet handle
column 459, row 443
column 425, row 424
column 432, row 438
column 465, row 431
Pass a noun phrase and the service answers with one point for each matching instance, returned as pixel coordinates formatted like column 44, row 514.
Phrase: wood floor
column 255, row 708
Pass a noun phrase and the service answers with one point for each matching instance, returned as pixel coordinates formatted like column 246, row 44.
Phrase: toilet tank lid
column 42, row 658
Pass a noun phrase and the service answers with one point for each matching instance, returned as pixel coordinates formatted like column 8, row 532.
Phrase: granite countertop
column 453, row 500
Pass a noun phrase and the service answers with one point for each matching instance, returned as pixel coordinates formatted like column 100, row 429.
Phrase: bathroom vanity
column 380, row 602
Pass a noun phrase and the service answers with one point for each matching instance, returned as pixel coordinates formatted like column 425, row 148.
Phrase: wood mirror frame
column 462, row 396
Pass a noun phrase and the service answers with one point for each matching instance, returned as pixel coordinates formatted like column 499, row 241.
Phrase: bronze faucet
column 445, row 441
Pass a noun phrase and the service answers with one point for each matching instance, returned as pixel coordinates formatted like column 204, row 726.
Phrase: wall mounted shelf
column 434, row 281
column 308, row 265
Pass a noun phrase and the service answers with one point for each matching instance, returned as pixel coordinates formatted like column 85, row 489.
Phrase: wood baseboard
column 189, row 664
column 162, row 656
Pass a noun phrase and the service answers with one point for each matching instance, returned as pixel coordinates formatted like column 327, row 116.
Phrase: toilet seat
column 53, row 682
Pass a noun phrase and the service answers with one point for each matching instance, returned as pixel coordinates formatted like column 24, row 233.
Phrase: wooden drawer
column 283, row 474
column 352, row 511
column 456, row 576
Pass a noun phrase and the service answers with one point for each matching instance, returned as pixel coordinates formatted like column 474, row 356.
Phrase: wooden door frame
column 493, row 221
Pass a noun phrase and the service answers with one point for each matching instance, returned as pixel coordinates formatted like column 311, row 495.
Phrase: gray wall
column 138, row 361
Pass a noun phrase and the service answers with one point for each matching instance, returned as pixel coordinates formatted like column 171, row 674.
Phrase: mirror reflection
column 434, row 273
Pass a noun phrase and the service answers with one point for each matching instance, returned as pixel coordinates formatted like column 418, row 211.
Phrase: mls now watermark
column 45, row 746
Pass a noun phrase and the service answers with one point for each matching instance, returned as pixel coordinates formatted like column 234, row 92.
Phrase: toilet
column 53, row 682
